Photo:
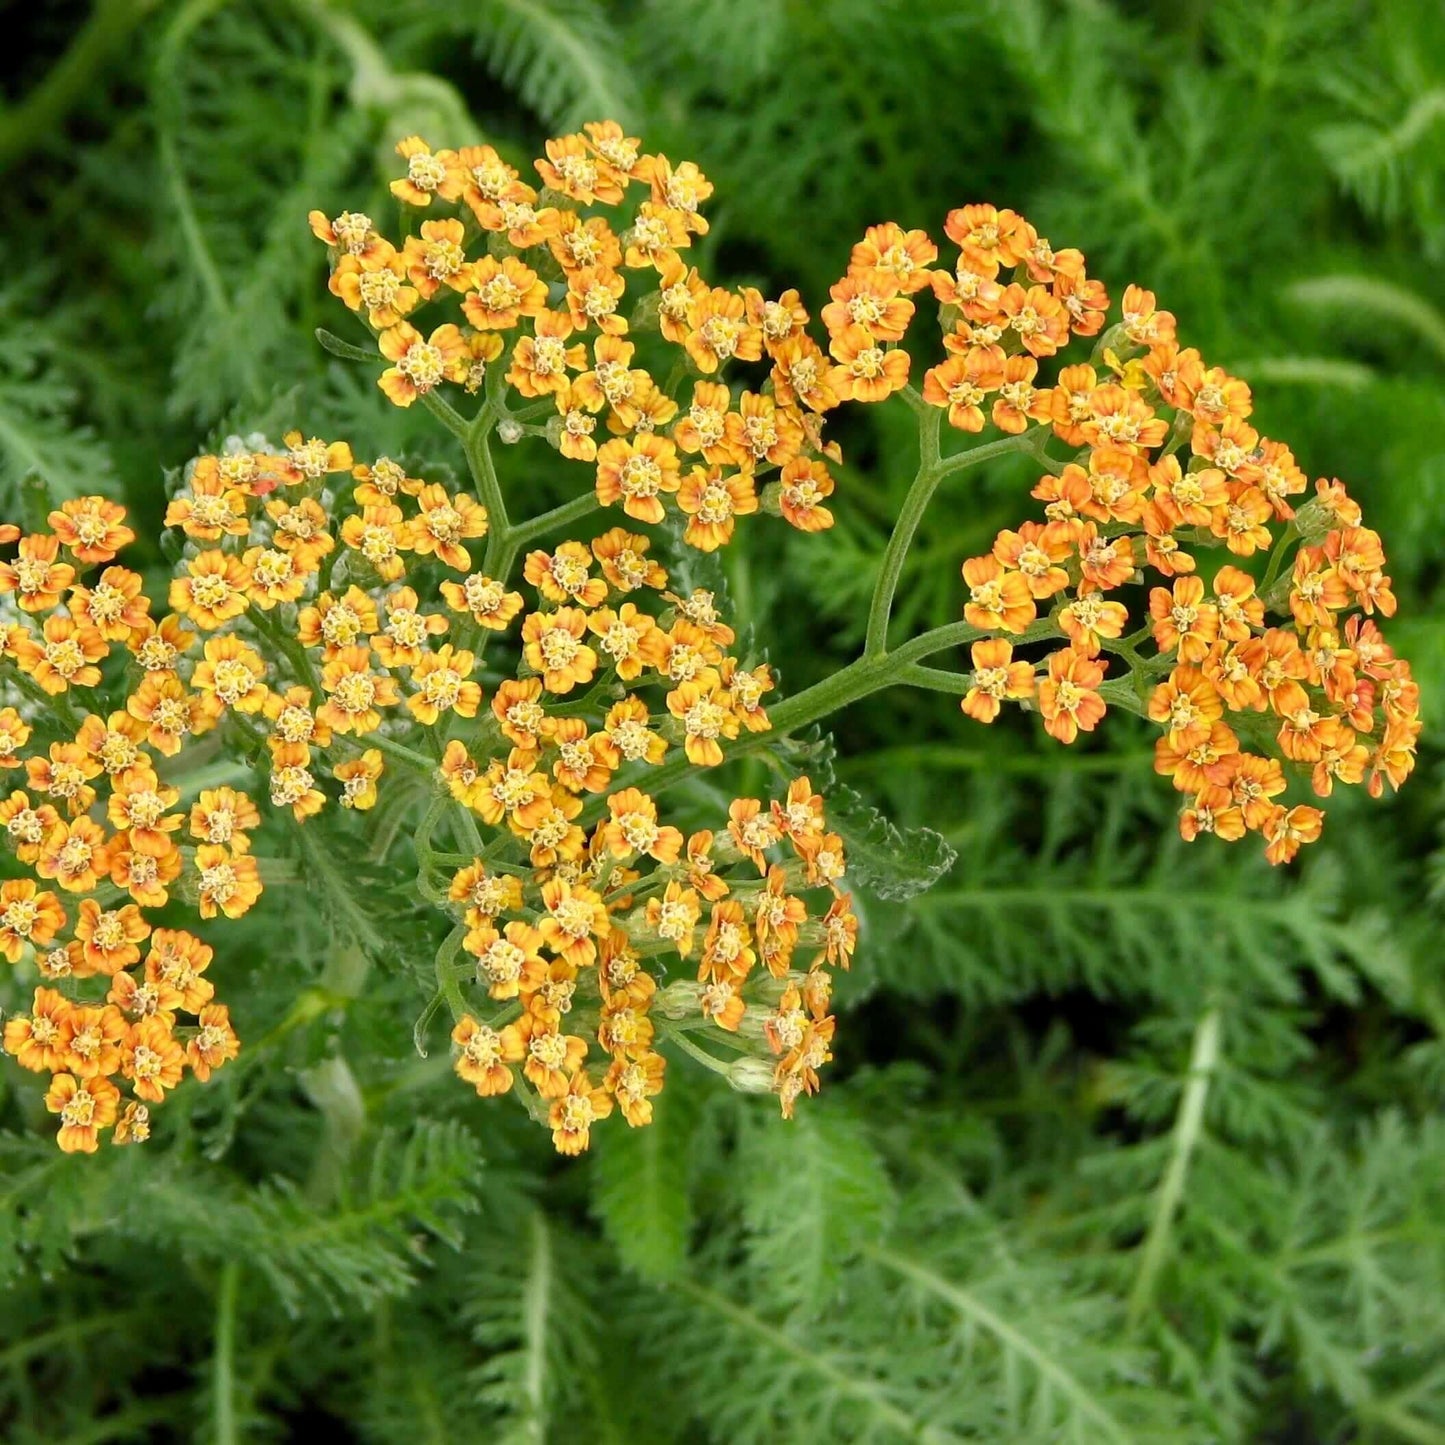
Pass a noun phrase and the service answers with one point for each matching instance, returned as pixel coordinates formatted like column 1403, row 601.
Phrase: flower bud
column 750, row 1075
column 510, row 431
column 679, row 1000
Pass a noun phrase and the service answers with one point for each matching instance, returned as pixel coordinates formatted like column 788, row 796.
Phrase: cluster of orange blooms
column 553, row 913
column 1165, row 461
column 332, row 616
column 704, row 462
column 95, row 821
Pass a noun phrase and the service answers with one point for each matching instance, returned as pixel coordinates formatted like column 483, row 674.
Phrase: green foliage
column 1127, row 1140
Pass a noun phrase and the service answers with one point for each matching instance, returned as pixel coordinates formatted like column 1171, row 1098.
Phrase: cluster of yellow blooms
column 333, row 617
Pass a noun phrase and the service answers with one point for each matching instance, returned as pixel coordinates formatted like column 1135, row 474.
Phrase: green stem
column 1203, row 1060
column 925, row 482
column 932, row 469
column 562, row 516
column 1276, row 558
column 409, row 757
column 224, row 1406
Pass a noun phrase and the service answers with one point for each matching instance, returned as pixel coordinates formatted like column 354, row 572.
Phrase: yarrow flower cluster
column 101, row 836
column 336, row 620
column 1164, row 461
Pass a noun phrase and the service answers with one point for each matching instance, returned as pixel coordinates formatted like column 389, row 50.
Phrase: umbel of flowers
column 338, row 620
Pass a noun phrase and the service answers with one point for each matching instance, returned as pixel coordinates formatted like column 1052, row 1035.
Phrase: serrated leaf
column 884, row 860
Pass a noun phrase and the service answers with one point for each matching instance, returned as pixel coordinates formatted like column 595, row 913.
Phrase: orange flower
column 214, row 1044
column 144, row 876
column 1088, row 619
column 1068, row 701
column 711, row 502
column 427, row 174
column 634, row 1082
column 593, row 296
column 625, row 735
column 998, row 598
column 337, row 622
column 419, row 364
column 1035, row 553
column 107, row 941
column 358, row 778
column 1243, row 522
column 485, row 599
column 93, row 528
column 222, row 815
column 14, row 734
column 36, row 578
column 872, row 300
column 1288, row 830
column 718, row 330
column 152, row 1059
column 1184, row 620
column 804, row 484
column 865, row 371
column 435, row 258
column 355, row 695
column 93, row 1039
column 508, row 961
column 504, row 292
column 442, row 680
column 27, row 916
column 988, row 238
column 802, row 375
column 75, row 855
column 351, row 232
column 905, row 255
column 704, row 709
column 572, row 167
column 637, row 473
column 37, row 1041
column 214, row 590
column 564, row 576
column 1037, row 317
column 553, row 647
column 443, row 523
column 85, row 1108
column 1187, row 704
column 231, row 674
column 681, row 189
column 375, row 284
column 229, row 882
column 481, row 1061
column 962, row 383
column 634, row 828
column 572, row 1115
column 995, row 677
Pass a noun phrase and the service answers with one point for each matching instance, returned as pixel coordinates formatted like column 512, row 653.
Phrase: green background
column 1010, row 1216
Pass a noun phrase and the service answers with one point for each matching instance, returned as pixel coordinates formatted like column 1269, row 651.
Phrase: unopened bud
column 679, row 1000
column 751, row 1076
column 509, row 431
